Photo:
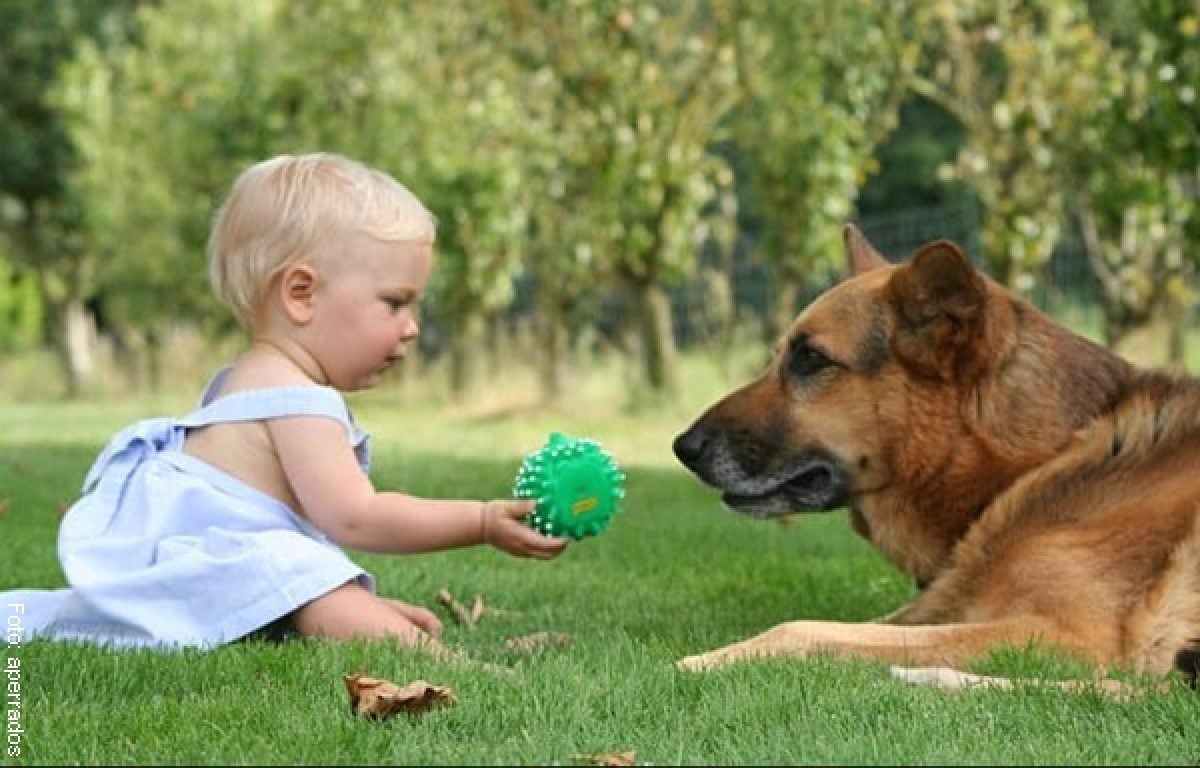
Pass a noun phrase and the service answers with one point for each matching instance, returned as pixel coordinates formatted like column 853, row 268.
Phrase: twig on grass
column 460, row 612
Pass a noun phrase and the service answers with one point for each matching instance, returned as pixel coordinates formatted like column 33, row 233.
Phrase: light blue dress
column 164, row 549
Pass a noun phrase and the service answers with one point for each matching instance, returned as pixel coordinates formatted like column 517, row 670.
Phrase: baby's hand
column 503, row 529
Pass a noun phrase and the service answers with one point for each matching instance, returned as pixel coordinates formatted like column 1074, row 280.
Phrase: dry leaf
column 373, row 697
column 4, row 503
column 538, row 641
column 477, row 608
column 614, row 758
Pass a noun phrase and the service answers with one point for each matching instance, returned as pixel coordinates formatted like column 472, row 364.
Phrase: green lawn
column 675, row 574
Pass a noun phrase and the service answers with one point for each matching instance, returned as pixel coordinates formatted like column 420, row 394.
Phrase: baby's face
column 365, row 310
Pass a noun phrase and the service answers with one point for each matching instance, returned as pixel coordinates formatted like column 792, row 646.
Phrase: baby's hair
column 280, row 209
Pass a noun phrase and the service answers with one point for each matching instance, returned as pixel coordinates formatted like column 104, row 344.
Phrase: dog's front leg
column 939, row 644
column 788, row 639
column 891, row 616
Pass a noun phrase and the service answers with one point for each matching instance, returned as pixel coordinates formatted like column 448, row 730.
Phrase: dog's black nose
column 689, row 447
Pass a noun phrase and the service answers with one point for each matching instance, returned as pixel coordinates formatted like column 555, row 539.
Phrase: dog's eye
column 804, row 360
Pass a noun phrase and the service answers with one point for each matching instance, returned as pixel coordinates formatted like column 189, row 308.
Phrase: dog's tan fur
column 1037, row 487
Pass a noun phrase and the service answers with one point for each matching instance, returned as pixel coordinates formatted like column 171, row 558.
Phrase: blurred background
column 620, row 186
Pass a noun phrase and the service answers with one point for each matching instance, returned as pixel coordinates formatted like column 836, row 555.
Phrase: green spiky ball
column 577, row 484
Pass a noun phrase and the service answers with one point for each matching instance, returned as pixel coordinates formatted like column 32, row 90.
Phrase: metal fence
column 753, row 287
column 1066, row 278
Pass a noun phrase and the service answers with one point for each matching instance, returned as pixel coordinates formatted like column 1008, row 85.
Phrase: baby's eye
column 394, row 304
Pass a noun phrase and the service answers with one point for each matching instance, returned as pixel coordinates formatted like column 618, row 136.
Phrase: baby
column 201, row 530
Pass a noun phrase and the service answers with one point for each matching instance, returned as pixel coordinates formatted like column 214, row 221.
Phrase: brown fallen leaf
column 377, row 698
column 4, row 503
column 614, row 758
column 477, row 609
column 538, row 641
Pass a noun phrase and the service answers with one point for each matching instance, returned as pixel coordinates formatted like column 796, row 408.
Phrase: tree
column 1137, row 200
column 39, row 216
column 440, row 111
column 811, row 118
column 625, row 103
column 168, row 122
column 1025, row 78
column 164, row 119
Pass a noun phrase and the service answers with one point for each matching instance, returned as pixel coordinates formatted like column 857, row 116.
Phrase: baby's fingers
column 544, row 547
column 517, row 509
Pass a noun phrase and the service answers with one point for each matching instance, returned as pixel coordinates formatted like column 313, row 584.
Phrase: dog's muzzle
column 804, row 481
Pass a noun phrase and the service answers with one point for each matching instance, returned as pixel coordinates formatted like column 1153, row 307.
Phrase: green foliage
column 589, row 145
column 624, row 104
column 20, row 310
column 814, row 114
column 41, row 220
column 926, row 138
column 164, row 119
column 1026, row 78
column 1166, row 79
column 438, row 109
column 1136, row 200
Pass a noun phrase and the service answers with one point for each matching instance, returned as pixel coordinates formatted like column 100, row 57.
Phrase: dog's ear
column 859, row 251
column 939, row 302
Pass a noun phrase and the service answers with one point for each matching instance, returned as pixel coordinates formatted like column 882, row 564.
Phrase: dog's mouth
column 814, row 485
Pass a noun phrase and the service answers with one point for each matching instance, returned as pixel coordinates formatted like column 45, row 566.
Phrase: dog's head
column 814, row 430
column 910, row 392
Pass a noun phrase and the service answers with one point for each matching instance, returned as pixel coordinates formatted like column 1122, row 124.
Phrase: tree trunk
column 72, row 337
column 551, row 334
column 466, row 350
column 722, row 313
column 652, row 308
column 1178, row 316
column 784, row 315
column 129, row 356
column 154, row 359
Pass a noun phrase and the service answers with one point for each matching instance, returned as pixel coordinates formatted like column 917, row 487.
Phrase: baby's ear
column 297, row 286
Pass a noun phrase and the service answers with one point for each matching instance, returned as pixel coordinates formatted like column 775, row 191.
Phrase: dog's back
column 1105, row 537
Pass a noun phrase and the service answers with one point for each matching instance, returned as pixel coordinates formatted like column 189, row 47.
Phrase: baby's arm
column 337, row 497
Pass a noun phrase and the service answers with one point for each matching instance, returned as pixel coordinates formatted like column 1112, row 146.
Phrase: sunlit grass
column 674, row 575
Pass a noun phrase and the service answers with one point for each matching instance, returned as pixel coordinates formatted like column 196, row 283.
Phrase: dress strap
column 277, row 402
column 272, row 403
column 127, row 449
column 269, row 403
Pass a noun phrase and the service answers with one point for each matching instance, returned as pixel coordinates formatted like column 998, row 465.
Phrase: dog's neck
column 1042, row 384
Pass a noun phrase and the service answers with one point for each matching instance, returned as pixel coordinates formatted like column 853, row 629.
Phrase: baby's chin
column 370, row 381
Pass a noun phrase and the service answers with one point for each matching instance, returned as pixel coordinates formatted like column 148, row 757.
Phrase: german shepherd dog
column 1038, row 488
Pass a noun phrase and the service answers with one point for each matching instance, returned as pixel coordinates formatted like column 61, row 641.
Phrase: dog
column 1038, row 488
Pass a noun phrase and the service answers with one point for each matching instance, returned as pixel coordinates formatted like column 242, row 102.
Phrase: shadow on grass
column 675, row 566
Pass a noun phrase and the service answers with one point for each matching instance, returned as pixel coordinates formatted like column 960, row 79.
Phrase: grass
column 674, row 575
